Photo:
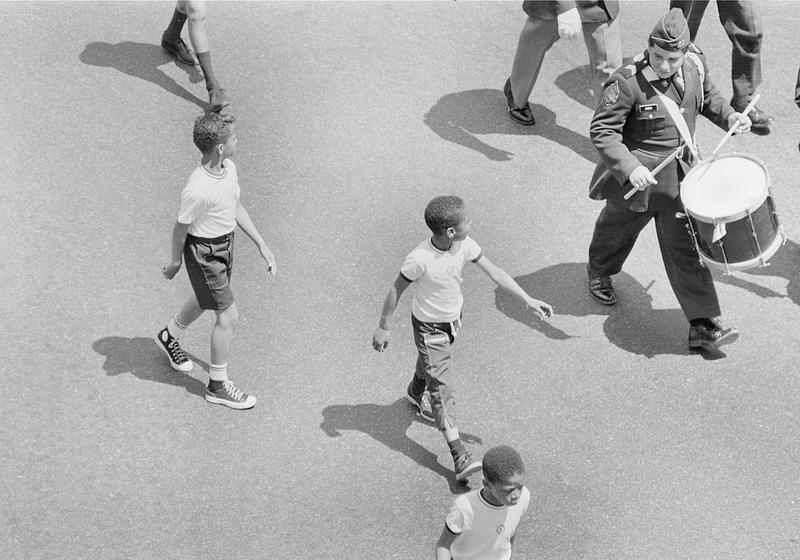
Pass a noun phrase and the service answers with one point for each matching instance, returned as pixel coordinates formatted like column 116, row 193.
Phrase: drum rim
column 739, row 215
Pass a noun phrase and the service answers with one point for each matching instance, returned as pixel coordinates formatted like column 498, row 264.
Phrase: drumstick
column 735, row 126
column 658, row 168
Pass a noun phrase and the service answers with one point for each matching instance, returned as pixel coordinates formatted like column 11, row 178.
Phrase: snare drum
column 731, row 212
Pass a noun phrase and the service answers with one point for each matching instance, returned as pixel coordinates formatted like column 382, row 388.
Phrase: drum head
column 725, row 188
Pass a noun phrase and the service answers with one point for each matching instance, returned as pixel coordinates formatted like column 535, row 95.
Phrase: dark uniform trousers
column 742, row 23
column 615, row 234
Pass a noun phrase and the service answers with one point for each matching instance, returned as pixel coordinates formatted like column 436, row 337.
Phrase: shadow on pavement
column 575, row 83
column 632, row 325
column 141, row 60
column 784, row 264
column 140, row 357
column 388, row 424
column 459, row 117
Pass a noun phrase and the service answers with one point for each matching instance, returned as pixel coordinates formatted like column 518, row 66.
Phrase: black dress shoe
column 602, row 290
column 523, row 115
column 179, row 50
column 710, row 336
column 760, row 121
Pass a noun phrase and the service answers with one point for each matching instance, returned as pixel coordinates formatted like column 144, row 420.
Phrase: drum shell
column 745, row 239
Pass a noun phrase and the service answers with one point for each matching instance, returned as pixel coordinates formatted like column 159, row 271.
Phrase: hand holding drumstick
column 641, row 177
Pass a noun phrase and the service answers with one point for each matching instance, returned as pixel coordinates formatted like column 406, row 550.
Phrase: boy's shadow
column 459, row 117
column 784, row 264
column 141, row 60
column 388, row 425
column 140, row 357
column 632, row 324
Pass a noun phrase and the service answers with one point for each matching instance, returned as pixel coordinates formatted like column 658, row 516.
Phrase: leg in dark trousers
column 691, row 281
column 742, row 22
column 615, row 234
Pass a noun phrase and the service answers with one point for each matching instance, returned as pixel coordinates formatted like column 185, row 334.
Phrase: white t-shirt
column 209, row 203
column 484, row 531
column 437, row 279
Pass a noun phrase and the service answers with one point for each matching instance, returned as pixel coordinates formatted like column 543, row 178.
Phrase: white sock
column 218, row 372
column 174, row 328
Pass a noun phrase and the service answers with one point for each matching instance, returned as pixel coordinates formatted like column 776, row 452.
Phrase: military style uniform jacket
column 631, row 127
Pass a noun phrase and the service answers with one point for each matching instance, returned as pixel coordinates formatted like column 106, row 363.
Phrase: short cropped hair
column 211, row 130
column 444, row 212
column 501, row 463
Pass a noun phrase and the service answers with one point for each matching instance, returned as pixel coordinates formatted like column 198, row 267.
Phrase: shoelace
column 425, row 402
column 177, row 353
column 235, row 393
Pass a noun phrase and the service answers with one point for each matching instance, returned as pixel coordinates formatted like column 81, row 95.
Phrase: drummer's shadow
column 632, row 325
column 784, row 264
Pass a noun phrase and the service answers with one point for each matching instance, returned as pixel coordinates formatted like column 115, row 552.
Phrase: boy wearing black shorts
column 203, row 238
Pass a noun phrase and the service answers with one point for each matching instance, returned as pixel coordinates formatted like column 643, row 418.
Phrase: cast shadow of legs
column 388, row 425
column 140, row 357
column 632, row 324
column 575, row 83
column 141, row 60
column 784, row 264
column 459, row 117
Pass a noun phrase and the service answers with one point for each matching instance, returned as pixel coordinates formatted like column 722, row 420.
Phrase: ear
column 451, row 233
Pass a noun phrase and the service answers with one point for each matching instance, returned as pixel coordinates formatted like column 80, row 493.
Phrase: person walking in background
column 195, row 12
column 741, row 20
column 550, row 20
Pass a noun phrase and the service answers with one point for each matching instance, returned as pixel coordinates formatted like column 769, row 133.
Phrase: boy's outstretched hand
column 542, row 309
column 169, row 271
column 380, row 340
column 270, row 258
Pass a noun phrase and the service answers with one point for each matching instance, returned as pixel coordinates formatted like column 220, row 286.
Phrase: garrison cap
column 671, row 32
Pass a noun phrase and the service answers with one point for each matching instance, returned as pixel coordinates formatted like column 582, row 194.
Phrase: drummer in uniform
column 634, row 130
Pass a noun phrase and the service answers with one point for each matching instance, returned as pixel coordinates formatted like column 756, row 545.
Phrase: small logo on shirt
column 500, row 529
column 451, row 270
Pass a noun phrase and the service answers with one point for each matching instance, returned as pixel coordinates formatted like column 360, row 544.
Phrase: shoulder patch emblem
column 610, row 94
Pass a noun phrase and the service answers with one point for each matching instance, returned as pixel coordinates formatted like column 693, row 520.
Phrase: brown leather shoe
column 708, row 337
column 523, row 115
column 602, row 290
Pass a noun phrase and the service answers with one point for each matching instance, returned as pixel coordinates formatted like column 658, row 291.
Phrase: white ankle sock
column 218, row 372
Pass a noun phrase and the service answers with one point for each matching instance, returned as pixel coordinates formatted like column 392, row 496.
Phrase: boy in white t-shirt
column 481, row 524
column 434, row 267
column 203, row 238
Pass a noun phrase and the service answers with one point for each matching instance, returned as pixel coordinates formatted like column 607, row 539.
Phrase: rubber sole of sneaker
column 473, row 467
column 183, row 368
column 248, row 404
